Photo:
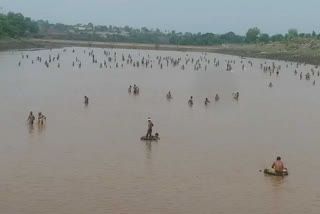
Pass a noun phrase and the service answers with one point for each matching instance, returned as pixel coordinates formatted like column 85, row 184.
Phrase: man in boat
column 152, row 138
column 150, row 125
column 278, row 166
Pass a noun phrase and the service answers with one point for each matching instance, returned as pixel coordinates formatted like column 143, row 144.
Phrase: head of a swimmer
column 278, row 158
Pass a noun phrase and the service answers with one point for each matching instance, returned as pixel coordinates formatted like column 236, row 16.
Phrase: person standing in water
column 150, row 125
column 236, row 95
column 86, row 100
column 190, row 102
column 217, row 97
column 31, row 118
column 41, row 118
column 207, row 101
column 169, row 95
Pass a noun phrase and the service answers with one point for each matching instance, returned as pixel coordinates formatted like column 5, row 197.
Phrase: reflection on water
column 278, row 187
column 149, row 149
column 149, row 145
column 276, row 181
column 88, row 159
column 31, row 128
column 41, row 128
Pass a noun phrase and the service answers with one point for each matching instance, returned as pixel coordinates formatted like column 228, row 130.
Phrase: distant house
column 80, row 28
column 103, row 34
column 106, row 34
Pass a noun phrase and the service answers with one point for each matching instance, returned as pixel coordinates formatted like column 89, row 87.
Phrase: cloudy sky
column 271, row 16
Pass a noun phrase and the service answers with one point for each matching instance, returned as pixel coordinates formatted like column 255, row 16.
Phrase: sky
column 216, row 16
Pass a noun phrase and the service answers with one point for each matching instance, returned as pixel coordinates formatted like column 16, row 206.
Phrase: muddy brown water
column 89, row 159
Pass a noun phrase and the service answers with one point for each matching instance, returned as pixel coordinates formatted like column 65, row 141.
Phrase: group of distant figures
column 135, row 89
column 32, row 118
column 156, row 137
column 42, row 119
column 147, row 61
column 207, row 101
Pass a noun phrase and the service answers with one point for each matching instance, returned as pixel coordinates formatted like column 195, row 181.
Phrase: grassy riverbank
column 304, row 51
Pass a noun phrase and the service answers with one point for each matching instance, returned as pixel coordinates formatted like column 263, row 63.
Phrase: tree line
column 254, row 35
column 15, row 25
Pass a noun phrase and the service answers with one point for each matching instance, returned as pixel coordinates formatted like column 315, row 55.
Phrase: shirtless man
column 278, row 165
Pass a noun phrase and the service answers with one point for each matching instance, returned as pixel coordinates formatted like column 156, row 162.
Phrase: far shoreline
column 250, row 50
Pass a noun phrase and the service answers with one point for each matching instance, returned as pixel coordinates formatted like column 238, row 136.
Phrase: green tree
column 277, row 37
column 302, row 35
column 32, row 27
column 144, row 30
column 231, row 37
column 292, row 34
column 3, row 25
column 127, row 29
column 43, row 25
column 90, row 25
column 308, row 35
column 61, row 27
column 264, row 38
column 17, row 24
column 252, row 35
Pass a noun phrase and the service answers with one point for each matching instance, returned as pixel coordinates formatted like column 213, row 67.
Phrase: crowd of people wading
column 113, row 59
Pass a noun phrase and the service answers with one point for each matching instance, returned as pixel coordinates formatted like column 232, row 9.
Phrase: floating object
column 152, row 138
column 271, row 171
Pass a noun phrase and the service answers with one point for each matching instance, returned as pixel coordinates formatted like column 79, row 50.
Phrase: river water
column 89, row 159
